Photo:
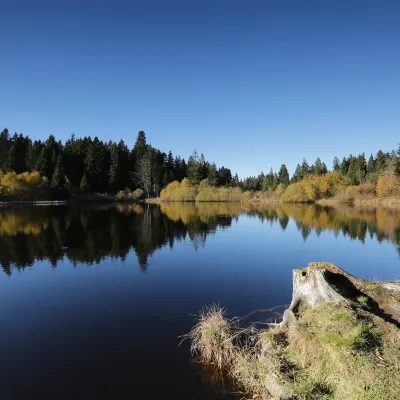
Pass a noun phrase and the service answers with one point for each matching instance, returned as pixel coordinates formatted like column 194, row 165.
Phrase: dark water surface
column 93, row 299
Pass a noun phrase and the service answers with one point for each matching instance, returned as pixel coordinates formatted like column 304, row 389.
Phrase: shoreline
column 387, row 202
column 42, row 203
column 334, row 319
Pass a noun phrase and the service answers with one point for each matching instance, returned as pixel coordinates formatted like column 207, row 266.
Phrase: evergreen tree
column 212, row 175
column 353, row 172
column 344, row 166
column 297, row 174
column 224, row 176
column 139, row 149
column 114, row 174
column 124, row 165
column 4, row 148
column 283, row 175
column 380, row 162
column 397, row 162
column 361, row 167
column 371, row 165
column 194, row 169
column 318, row 168
column 305, row 169
column 336, row 165
column 58, row 179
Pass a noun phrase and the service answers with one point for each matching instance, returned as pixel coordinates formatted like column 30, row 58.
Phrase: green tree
column 114, row 173
column 380, row 162
column 58, row 179
column 4, row 148
column 344, row 166
column 353, row 176
column 305, row 169
column 212, row 175
column 283, row 175
column 297, row 174
column 194, row 169
column 361, row 167
column 139, row 149
column 269, row 181
column 224, row 176
column 336, row 165
column 370, row 165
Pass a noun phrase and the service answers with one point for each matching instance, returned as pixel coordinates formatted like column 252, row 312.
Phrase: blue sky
column 251, row 84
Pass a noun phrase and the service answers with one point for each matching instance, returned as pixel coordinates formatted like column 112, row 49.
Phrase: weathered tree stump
column 315, row 285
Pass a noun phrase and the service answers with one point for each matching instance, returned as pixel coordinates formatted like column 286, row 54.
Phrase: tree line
column 355, row 170
column 93, row 166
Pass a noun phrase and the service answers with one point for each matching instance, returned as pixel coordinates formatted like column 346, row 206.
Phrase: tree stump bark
column 313, row 286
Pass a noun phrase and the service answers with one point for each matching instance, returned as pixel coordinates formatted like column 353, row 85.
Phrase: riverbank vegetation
column 85, row 168
column 345, row 348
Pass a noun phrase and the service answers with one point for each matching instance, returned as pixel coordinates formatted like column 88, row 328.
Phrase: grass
column 331, row 352
column 211, row 337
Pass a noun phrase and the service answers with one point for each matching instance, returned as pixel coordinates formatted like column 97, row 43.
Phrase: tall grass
column 331, row 352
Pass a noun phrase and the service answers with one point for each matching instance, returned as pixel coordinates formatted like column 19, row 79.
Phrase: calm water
column 93, row 299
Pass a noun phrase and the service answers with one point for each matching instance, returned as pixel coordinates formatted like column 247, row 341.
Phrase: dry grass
column 331, row 352
column 211, row 338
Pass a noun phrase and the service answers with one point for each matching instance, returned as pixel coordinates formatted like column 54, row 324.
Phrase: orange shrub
column 388, row 185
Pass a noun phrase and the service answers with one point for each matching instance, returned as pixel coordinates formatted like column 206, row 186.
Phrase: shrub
column 388, row 185
column 298, row 192
column 246, row 196
column 331, row 183
column 367, row 188
column 208, row 193
column 26, row 185
column 127, row 194
column 279, row 190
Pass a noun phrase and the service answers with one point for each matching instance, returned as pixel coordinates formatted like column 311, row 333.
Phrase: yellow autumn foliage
column 25, row 185
column 388, row 185
column 314, row 187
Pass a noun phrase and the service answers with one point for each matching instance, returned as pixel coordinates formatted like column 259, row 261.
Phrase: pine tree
column 212, row 174
column 336, row 165
column 353, row 172
column 397, row 162
column 318, row 167
column 380, row 163
column 297, row 174
column 371, row 165
column 305, row 169
column 194, row 169
column 4, row 148
column 361, row 167
column 344, row 166
column 114, row 173
column 283, row 176
column 58, row 179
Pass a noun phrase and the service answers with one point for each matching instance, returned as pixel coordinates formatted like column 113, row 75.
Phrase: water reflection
column 90, row 234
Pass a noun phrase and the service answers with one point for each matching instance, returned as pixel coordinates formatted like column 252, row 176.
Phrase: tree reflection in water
column 89, row 234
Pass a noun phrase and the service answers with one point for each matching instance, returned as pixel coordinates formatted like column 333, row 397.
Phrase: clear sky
column 251, row 84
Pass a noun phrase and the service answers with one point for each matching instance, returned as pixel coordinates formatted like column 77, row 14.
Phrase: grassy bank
column 346, row 351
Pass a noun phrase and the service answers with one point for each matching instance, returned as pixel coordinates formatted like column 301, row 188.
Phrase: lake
column 93, row 299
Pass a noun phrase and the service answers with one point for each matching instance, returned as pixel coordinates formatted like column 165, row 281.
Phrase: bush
column 279, row 190
column 127, row 194
column 388, row 185
column 299, row 192
column 28, row 185
column 331, row 184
